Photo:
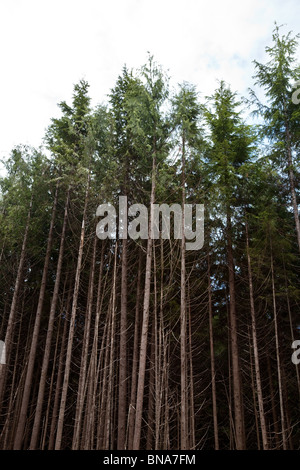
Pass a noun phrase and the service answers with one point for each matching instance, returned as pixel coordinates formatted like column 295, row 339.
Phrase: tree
column 281, row 115
column 186, row 114
column 231, row 147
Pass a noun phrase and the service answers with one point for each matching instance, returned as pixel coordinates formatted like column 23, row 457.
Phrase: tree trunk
column 135, row 357
column 84, row 355
column 236, row 374
column 212, row 360
column 122, row 402
column 254, row 394
column 90, row 415
column 183, row 324
column 109, row 403
column 255, row 350
column 283, row 430
column 40, row 398
column 145, row 324
column 59, row 376
column 63, row 401
column 13, row 309
column 35, row 336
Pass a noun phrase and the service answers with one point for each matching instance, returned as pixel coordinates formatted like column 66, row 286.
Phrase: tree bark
column 60, row 423
column 13, row 308
column 84, row 355
column 283, row 430
column 145, row 324
column 34, row 342
column 212, row 360
column 236, row 374
column 183, row 323
column 255, row 349
column 135, row 357
column 40, row 398
column 122, row 402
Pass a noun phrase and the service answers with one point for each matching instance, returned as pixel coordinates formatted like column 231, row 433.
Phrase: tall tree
column 186, row 111
column 281, row 115
column 147, row 124
column 231, row 147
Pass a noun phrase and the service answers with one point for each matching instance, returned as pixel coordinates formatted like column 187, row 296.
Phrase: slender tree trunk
column 236, row 373
column 183, row 324
column 159, row 351
column 272, row 399
column 287, row 412
column 60, row 423
column 109, row 404
column 13, row 309
column 41, row 393
column 212, row 361
column 94, row 369
column 192, row 444
column 84, row 355
column 255, row 350
column 103, row 366
column 283, row 430
column 35, row 336
column 59, row 376
column 166, row 429
column 105, row 351
column 254, row 394
column 145, row 324
column 135, row 357
column 7, row 427
column 122, row 402
column 151, row 398
column 44, row 434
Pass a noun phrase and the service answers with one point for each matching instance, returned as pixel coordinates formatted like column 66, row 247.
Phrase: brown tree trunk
column 13, row 308
column 236, row 373
column 255, row 350
column 122, row 402
column 135, row 357
column 109, row 402
column 183, row 323
column 59, row 376
column 212, row 360
column 151, row 387
column 84, row 355
column 90, row 415
column 40, row 398
column 283, row 429
column 35, row 336
column 192, row 443
column 254, row 394
column 145, row 324
column 272, row 399
column 65, row 387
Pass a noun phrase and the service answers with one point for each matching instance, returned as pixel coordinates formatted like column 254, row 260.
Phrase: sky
column 48, row 46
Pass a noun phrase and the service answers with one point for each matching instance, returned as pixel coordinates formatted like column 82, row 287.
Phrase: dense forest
column 141, row 343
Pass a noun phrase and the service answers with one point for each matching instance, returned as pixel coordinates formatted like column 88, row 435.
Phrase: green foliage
column 277, row 78
column 67, row 136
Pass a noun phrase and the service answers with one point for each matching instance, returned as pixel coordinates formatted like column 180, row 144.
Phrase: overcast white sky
column 48, row 46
